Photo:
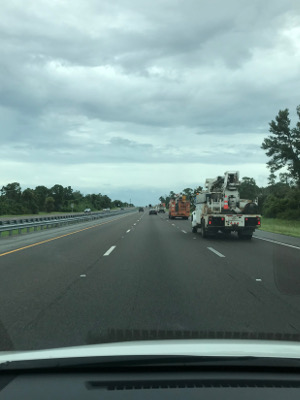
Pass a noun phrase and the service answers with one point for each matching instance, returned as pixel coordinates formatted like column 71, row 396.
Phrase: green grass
column 15, row 232
column 285, row 227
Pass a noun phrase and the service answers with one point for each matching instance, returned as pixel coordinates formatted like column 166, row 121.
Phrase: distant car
column 161, row 210
column 141, row 209
column 122, row 208
column 153, row 212
column 87, row 211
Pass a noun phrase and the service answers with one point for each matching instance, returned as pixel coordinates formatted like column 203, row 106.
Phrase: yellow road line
column 57, row 237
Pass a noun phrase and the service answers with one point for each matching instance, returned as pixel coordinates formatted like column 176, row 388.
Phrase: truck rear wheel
column 203, row 230
column 194, row 229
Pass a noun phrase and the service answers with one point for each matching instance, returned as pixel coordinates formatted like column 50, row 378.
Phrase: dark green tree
column 286, row 178
column 12, row 191
column 49, row 204
column 189, row 193
column 29, row 202
column 105, row 201
column 271, row 179
column 248, row 189
column 58, row 194
column 41, row 193
column 283, row 145
column 10, row 196
column 162, row 199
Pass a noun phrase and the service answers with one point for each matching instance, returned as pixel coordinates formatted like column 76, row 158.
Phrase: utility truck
column 161, row 208
column 179, row 207
column 219, row 208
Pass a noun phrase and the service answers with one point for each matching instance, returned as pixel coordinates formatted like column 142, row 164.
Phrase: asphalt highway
column 141, row 272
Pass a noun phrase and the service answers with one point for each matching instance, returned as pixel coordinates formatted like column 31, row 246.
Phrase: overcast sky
column 137, row 98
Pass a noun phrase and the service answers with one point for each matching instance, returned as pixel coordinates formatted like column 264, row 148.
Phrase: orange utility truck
column 179, row 207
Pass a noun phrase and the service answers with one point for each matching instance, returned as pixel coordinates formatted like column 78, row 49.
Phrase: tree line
column 57, row 198
column 281, row 197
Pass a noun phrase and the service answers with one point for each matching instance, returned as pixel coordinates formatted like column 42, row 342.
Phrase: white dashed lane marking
column 109, row 251
column 216, row 252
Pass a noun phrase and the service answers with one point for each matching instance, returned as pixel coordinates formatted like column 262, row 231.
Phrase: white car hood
column 204, row 348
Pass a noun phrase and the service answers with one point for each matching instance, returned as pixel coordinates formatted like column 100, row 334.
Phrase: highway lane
column 26, row 239
column 272, row 259
column 33, row 278
column 143, row 272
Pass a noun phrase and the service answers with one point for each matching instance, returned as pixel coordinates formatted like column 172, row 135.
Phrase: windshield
column 150, row 172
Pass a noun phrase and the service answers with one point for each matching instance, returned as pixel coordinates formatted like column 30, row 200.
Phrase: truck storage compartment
column 252, row 221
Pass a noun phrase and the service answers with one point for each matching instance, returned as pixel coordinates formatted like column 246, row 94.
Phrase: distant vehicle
column 151, row 212
column 179, row 207
column 161, row 208
column 122, row 208
column 141, row 209
column 106, row 209
column 87, row 211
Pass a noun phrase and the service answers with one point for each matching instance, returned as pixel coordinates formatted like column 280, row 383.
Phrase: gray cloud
column 123, row 81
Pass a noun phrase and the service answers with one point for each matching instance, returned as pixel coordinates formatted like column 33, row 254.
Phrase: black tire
column 203, row 230
column 169, row 216
column 194, row 229
column 248, row 237
column 212, row 233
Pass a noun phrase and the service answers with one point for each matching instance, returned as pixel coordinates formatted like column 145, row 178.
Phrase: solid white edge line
column 274, row 241
column 216, row 252
column 109, row 251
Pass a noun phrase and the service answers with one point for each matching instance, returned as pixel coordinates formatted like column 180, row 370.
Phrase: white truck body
column 219, row 208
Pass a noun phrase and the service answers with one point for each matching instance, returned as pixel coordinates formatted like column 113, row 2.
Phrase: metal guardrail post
column 18, row 226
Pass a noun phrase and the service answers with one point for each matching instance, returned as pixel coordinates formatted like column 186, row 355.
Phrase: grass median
column 16, row 232
column 285, row 227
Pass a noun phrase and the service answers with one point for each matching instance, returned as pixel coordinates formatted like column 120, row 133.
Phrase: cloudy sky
column 137, row 98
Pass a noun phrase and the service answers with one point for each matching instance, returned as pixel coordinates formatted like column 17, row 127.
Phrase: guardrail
column 49, row 222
